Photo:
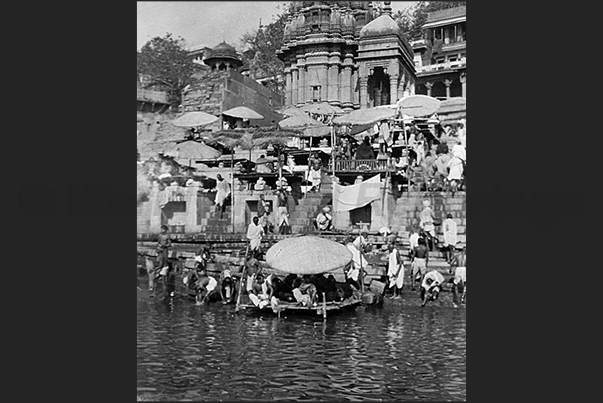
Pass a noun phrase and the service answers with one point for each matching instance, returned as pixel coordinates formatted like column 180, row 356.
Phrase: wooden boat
column 308, row 255
column 321, row 309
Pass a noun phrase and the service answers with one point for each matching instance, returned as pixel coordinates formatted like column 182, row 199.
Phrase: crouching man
column 206, row 286
column 431, row 286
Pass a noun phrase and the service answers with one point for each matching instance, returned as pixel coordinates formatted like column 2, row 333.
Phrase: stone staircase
column 302, row 215
column 211, row 221
column 408, row 211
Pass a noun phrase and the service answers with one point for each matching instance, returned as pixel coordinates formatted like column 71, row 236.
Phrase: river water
column 397, row 351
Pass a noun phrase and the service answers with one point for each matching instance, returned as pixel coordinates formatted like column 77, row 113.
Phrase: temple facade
column 336, row 52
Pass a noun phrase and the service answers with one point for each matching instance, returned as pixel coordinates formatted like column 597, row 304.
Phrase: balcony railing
column 443, row 66
column 362, row 165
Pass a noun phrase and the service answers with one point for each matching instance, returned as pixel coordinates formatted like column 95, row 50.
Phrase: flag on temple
column 346, row 198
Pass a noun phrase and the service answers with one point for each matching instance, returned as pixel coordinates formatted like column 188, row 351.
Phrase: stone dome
column 223, row 54
column 381, row 26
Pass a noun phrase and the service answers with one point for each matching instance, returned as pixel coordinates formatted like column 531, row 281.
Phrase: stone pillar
column 393, row 91
column 355, row 88
column 288, row 90
column 364, row 99
column 294, row 81
column 191, row 224
column 428, row 85
column 333, row 86
column 447, row 84
column 301, row 85
column 463, row 79
column 155, row 219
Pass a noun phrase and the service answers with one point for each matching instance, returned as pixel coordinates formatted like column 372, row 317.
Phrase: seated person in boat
column 261, row 291
column 206, row 286
column 304, row 291
column 282, row 290
column 431, row 286
column 253, row 268
column 326, row 285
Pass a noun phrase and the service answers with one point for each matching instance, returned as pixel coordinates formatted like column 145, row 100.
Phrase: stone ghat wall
column 408, row 209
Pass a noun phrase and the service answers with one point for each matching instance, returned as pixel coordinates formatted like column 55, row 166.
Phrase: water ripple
column 391, row 353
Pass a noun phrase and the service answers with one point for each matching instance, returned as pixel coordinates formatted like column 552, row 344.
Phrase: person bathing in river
column 164, row 243
column 458, row 267
column 206, row 286
column 420, row 258
column 431, row 286
column 395, row 271
column 227, row 286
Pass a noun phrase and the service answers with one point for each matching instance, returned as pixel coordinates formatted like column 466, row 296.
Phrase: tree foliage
column 413, row 18
column 168, row 65
column 260, row 54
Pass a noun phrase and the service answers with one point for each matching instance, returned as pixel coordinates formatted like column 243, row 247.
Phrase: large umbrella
column 291, row 111
column 366, row 116
column 300, row 122
column 242, row 112
column 321, row 108
column 193, row 150
column 419, row 105
column 308, row 255
column 194, row 119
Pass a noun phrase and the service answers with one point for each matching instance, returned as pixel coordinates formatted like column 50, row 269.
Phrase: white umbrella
column 321, row 108
column 419, row 105
column 366, row 116
column 308, row 255
column 242, row 112
column 194, row 119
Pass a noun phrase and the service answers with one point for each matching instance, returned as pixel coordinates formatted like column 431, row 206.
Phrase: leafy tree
column 413, row 18
column 260, row 54
column 167, row 64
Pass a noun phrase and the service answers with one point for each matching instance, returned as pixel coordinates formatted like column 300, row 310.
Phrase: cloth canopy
column 307, row 255
column 346, row 198
column 419, row 105
column 242, row 112
column 300, row 122
column 321, row 108
column 193, row 150
column 366, row 116
column 194, row 119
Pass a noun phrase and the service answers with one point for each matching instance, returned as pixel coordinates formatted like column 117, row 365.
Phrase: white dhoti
column 460, row 274
column 393, row 265
column 282, row 215
column 213, row 283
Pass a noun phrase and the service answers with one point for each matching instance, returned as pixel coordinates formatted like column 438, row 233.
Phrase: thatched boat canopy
column 308, row 255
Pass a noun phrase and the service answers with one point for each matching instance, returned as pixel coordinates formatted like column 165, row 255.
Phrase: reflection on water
column 394, row 352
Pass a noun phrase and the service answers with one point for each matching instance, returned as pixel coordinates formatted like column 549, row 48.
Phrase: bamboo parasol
column 321, row 108
column 366, row 116
column 194, row 119
column 242, row 112
column 308, row 255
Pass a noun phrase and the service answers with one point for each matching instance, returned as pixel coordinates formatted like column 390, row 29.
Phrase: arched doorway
column 378, row 88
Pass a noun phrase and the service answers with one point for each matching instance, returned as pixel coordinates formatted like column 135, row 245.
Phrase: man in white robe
column 395, row 271
column 223, row 190
column 255, row 232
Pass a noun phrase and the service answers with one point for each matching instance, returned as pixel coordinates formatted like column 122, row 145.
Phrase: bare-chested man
column 419, row 263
